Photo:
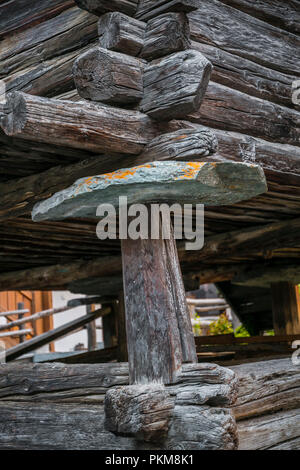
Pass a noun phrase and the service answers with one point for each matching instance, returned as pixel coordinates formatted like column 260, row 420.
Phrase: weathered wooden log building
column 200, row 100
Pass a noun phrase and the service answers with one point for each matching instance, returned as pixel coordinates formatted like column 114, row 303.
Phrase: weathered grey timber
column 98, row 7
column 247, row 76
column 174, row 86
column 87, row 301
column 268, row 397
column 193, row 182
column 283, row 15
column 199, row 419
column 263, row 432
column 265, row 277
column 52, row 39
column 245, row 36
column 108, row 76
column 185, row 144
column 26, row 14
column 148, row 9
column 140, row 411
column 155, row 352
column 260, row 237
column 76, row 124
column 247, row 114
column 121, row 33
column 266, row 387
column 166, row 34
column 20, row 196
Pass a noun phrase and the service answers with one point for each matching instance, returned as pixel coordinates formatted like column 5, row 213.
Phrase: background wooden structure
column 34, row 301
column 250, row 248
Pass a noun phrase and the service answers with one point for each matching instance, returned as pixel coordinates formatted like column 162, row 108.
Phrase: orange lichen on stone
column 191, row 170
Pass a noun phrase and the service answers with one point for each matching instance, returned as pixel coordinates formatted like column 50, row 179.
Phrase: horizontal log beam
column 246, row 244
column 85, row 126
column 26, row 15
column 282, row 15
column 232, row 29
column 98, row 7
column 148, row 9
column 264, row 277
column 244, row 75
column 232, row 110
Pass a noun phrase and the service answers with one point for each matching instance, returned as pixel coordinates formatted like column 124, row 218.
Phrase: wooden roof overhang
column 253, row 118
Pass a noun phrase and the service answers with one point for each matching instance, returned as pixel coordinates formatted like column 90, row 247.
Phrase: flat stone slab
column 208, row 183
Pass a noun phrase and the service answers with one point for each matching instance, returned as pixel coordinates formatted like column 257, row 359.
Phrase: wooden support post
column 286, row 308
column 159, row 331
column 109, row 329
column 121, row 330
column 91, row 331
column 21, row 315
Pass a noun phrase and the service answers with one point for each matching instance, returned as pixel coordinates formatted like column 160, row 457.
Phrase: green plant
column 269, row 333
column 220, row 327
column 241, row 332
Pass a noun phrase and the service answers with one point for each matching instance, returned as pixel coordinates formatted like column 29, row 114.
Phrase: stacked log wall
column 47, row 406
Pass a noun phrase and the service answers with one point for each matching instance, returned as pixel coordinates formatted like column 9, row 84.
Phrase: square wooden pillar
column 286, row 308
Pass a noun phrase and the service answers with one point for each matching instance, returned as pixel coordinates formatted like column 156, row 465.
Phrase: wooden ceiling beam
column 256, row 242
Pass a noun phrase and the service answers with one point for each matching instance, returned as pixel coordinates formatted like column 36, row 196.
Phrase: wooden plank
column 286, row 308
column 108, row 77
column 49, row 336
column 76, row 125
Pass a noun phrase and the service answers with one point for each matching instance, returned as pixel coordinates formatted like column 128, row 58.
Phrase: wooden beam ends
column 174, row 86
column 165, row 35
column 108, row 76
column 121, row 33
